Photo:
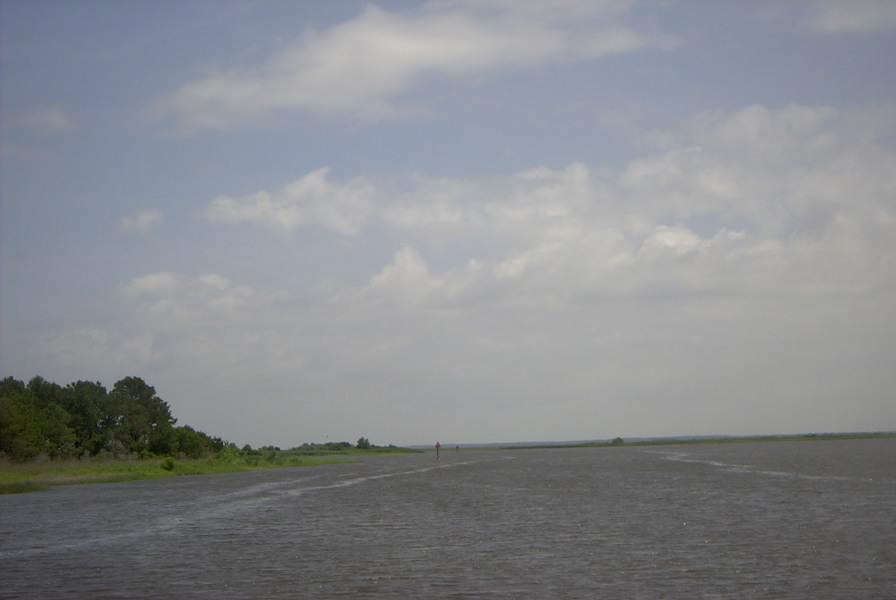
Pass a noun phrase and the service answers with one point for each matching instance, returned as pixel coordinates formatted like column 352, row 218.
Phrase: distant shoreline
column 675, row 441
column 665, row 441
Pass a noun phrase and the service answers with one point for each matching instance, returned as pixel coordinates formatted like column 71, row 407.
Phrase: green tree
column 10, row 386
column 363, row 444
column 86, row 402
column 142, row 421
column 32, row 422
column 45, row 418
column 194, row 443
column 45, row 392
column 16, row 437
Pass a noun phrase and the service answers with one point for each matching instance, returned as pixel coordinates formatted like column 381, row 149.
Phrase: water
column 771, row 520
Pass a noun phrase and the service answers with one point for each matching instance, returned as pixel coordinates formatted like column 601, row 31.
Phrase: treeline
column 330, row 448
column 84, row 419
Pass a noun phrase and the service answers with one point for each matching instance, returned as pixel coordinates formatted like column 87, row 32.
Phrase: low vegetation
column 29, row 476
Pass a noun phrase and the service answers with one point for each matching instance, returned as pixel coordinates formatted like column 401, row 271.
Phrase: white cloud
column 406, row 281
column 855, row 16
column 756, row 199
column 141, row 221
column 50, row 120
column 750, row 256
column 505, row 207
column 153, row 284
column 311, row 199
column 365, row 65
column 674, row 241
column 774, row 171
column 173, row 300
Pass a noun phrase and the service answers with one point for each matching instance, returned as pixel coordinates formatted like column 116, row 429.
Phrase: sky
column 456, row 220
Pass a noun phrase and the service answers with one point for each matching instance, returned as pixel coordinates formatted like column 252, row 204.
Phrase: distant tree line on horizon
column 84, row 419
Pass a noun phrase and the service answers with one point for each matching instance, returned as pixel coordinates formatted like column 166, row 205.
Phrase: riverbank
column 35, row 476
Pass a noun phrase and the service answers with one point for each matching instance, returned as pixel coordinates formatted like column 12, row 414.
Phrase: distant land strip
column 671, row 441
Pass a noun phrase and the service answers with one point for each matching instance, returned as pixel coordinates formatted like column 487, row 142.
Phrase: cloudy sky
column 461, row 220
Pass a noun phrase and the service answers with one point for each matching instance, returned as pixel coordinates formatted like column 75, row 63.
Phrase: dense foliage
column 83, row 418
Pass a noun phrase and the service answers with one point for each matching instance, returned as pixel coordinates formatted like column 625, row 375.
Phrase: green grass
column 35, row 476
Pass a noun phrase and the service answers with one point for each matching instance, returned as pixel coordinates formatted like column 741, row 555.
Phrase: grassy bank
column 34, row 476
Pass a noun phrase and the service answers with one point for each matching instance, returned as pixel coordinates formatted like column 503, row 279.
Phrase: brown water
column 770, row 520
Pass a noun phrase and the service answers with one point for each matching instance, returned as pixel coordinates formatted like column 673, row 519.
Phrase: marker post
column 438, row 447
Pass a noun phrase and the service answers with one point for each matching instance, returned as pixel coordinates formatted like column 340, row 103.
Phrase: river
column 759, row 520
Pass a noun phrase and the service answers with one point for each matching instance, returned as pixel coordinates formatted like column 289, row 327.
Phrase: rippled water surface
column 764, row 520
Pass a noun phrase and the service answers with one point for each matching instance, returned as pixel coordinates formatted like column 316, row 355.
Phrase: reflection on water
column 770, row 520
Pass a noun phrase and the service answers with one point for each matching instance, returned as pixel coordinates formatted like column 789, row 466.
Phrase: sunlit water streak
column 775, row 520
